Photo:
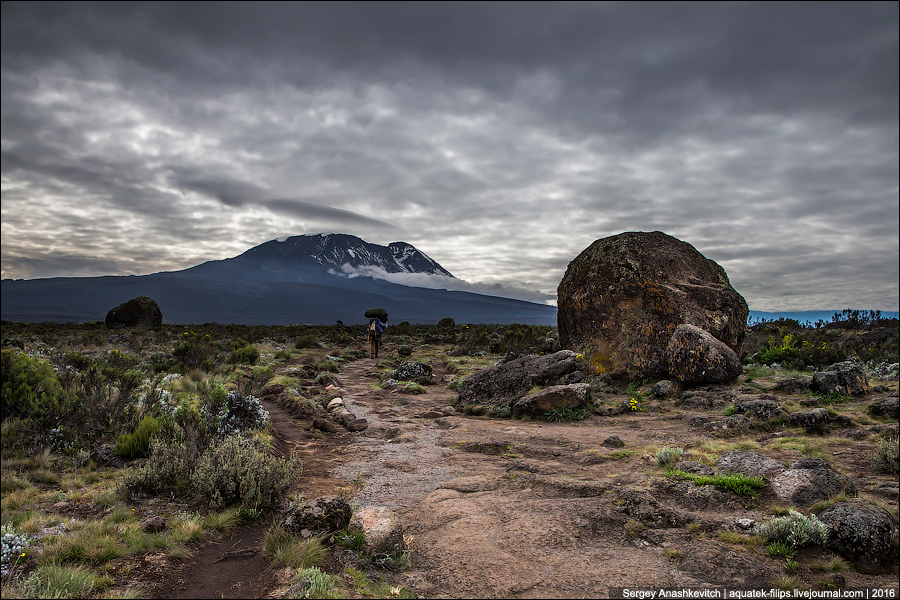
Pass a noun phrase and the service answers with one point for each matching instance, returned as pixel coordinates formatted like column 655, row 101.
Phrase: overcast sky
column 499, row 139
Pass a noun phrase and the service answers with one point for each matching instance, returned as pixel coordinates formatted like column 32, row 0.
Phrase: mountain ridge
column 298, row 279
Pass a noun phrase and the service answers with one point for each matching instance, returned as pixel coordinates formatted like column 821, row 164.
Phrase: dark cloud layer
column 501, row 139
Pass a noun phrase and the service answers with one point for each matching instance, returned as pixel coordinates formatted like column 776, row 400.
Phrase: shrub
column 885, row 459
column 137, row 444
column 29, row 390
column 234, row 471
column 666, row 456
column 794, row 529
column 736, row 483
column 247, row 355
column 306, row 341
column 170, row 466
column 233, row 412
column 314, row 583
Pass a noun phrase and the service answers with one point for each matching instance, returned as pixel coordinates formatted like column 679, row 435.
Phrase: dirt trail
column 515, row 508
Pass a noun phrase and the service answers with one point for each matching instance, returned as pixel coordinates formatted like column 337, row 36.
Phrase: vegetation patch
column 736, row 483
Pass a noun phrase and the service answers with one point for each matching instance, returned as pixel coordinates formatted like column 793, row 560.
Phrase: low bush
column 248, row 355
column 666, row 456
column 233, row 470
column 885, row 459
column 794, row 529
column 30, row 391
column 137, row 444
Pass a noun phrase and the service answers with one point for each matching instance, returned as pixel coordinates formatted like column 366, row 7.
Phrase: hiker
column 376, row 328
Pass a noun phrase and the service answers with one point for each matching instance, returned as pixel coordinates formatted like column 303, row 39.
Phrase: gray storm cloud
column 500, row 140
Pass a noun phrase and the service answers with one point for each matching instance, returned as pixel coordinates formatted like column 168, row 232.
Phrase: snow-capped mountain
column 341, row 251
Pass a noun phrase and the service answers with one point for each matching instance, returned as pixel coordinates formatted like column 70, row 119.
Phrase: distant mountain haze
column 312, row 279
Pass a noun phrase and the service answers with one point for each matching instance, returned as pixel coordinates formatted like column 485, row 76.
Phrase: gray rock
column 884, row 407
column 381, row 529
column 613, row 441
column 555, row 397
column 793, row 385
column 841, row 378
column 813, row 420
column 153, row 524
column 505, row 384
column 664, row 388
column 861, row 532
column 762, row 408
column 810, row 480
column 693, row 355
column 323, row 516
column 751, row 464
column 357, row 425
column 405, row 350
column 690, row 466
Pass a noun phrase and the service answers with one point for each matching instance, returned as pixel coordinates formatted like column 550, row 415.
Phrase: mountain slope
column 296, row 280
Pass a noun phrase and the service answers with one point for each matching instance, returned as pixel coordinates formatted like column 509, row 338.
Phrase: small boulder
column 664, row 388
column 693, row 355
column 751, row 464
column 325, row 425
column 793, row 385
column 810, row 480
column 841, row 378
column 884, row 407
column 139, row 312
column 153, row 524
column 381, row 529
column 556, row 397
column 813, row 420
column 411, row 371
column 613, row 441
column 405, row 350
column 505, row 384
column 861, row 532
column 322, row 516
column 357, row 425
column 761, row 408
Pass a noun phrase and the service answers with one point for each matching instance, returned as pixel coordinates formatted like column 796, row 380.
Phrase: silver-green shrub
column 794, row 529
column 233, row 470
column 668, row 456
column 885, row 459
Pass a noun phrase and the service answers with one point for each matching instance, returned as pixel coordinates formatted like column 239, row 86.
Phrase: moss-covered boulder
column 625, row 295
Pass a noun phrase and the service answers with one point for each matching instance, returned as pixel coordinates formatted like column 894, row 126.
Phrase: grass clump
column 885, row 459
column 288, row 549
column 137, row 444
column 666, row 456
column 794, row 530
column 736, row 483
column 564, row 415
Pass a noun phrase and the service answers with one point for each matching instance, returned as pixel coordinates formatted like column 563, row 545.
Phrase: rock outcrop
column 505, row 384
column 810, row 480
column 625, row 295
column 139, row 312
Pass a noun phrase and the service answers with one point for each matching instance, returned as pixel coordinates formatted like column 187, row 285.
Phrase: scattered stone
column 357, row 425
column 745, row 523
column 140, row 312
column 381, row 529
column 405, row 350
column 763, row 407
column 793, row 385
column 625, row 295
column 153, row 524
column 841, row 378
column 664, row 388
column 323, row 516
column 751, row 464
column 690, row 466
column 557, row 397
column 861, row 532
column 613, row 441
column 810, row 480
column 335, row 404
column 813, row 420
column 693, row 355
column 325, row 425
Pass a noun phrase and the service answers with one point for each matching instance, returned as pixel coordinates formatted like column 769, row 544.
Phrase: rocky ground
column 529, row 508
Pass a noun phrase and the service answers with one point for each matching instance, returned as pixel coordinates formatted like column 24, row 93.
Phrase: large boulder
column 505, row 384
column 139, row 312
column 693, row 355
column 625, row 295
column 862, row 533
column 841, row 378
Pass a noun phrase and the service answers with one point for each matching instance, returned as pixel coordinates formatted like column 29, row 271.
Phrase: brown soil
column 524, row 508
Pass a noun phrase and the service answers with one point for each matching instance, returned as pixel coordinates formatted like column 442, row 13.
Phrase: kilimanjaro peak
column 339, row 251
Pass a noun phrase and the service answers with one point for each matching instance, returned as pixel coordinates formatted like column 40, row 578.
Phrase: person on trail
column 376, row 328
